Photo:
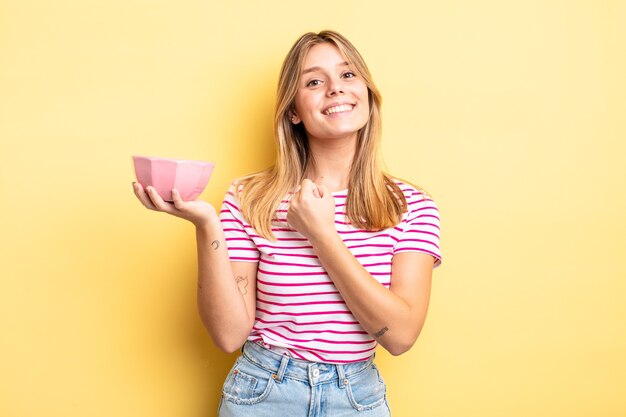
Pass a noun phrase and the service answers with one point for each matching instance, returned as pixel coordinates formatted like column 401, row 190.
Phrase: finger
column 158, row 202
column 141, row 195
column 316, row 192
column 307, row 187
column 179, row 203
column 322, row 190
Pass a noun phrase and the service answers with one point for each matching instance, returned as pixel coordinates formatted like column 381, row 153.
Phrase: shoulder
column 238, row 185
column 414, row 195
column 233, row 193
column 242, row 187
column 251, row 183
column 408, row 190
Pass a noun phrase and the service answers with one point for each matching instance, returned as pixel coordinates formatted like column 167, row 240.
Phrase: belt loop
column 342, row 376
column 281, row 370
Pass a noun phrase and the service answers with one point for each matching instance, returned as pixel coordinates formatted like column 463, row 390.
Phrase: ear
column 294, row 118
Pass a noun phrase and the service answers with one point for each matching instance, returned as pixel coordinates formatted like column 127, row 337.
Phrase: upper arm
column 411, row 274
column 244, row 274
column 242, row 250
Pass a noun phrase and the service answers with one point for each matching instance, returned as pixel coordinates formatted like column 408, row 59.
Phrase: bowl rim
column 158, row 158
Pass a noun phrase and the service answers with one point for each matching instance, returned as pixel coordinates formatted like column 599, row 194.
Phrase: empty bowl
column 188, row 177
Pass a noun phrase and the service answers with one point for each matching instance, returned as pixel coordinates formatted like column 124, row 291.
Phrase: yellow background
column 511, row 114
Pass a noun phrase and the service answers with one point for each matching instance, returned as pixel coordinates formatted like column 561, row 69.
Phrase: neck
column 331, row 162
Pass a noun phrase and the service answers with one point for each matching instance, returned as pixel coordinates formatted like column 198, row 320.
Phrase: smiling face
column 331, row 99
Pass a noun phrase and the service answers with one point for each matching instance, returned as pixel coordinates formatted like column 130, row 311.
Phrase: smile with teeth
column 338, row 109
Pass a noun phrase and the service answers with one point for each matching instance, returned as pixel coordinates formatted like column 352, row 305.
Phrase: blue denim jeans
column 263, row 383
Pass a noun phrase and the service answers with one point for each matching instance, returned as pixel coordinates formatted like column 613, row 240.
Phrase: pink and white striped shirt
column 299, row 311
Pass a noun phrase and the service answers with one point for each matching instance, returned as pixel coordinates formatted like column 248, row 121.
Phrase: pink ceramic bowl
column 188, row 177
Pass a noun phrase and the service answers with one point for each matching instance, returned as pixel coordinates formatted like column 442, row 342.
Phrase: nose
column 334, row 87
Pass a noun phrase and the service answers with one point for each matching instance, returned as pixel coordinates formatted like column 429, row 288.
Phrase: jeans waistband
column 315, row 373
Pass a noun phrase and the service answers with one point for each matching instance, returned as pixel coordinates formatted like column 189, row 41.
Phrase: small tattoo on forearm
column 242, row 283
column 215, row 244
column 381, row 332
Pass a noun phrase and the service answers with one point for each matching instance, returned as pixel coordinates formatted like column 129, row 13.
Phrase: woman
column 316, row 260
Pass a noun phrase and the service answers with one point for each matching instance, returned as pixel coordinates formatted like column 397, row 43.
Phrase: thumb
column 322, row 190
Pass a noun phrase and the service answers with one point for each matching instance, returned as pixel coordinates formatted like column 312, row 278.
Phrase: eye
column 348, row 74
column 313, row 83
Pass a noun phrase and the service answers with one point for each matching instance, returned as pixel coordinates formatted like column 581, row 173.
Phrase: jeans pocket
column 366, row 390
column 247, row 383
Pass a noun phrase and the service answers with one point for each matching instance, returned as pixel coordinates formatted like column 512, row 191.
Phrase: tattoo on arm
column 242, row 283
column 381, row 332
column 215, row 244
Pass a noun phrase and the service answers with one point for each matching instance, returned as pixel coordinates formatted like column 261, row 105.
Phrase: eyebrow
column 313, row 69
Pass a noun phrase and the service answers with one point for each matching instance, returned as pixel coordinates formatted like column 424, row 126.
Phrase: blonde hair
column 374, row 200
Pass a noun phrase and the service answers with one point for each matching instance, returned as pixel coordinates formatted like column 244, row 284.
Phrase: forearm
column 221, row 305
column 384, row 315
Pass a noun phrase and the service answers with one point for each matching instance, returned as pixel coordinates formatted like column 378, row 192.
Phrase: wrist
column 208, row 225
column 322, row 237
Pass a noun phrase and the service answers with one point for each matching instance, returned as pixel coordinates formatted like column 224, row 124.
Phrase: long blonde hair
column 374, row 200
